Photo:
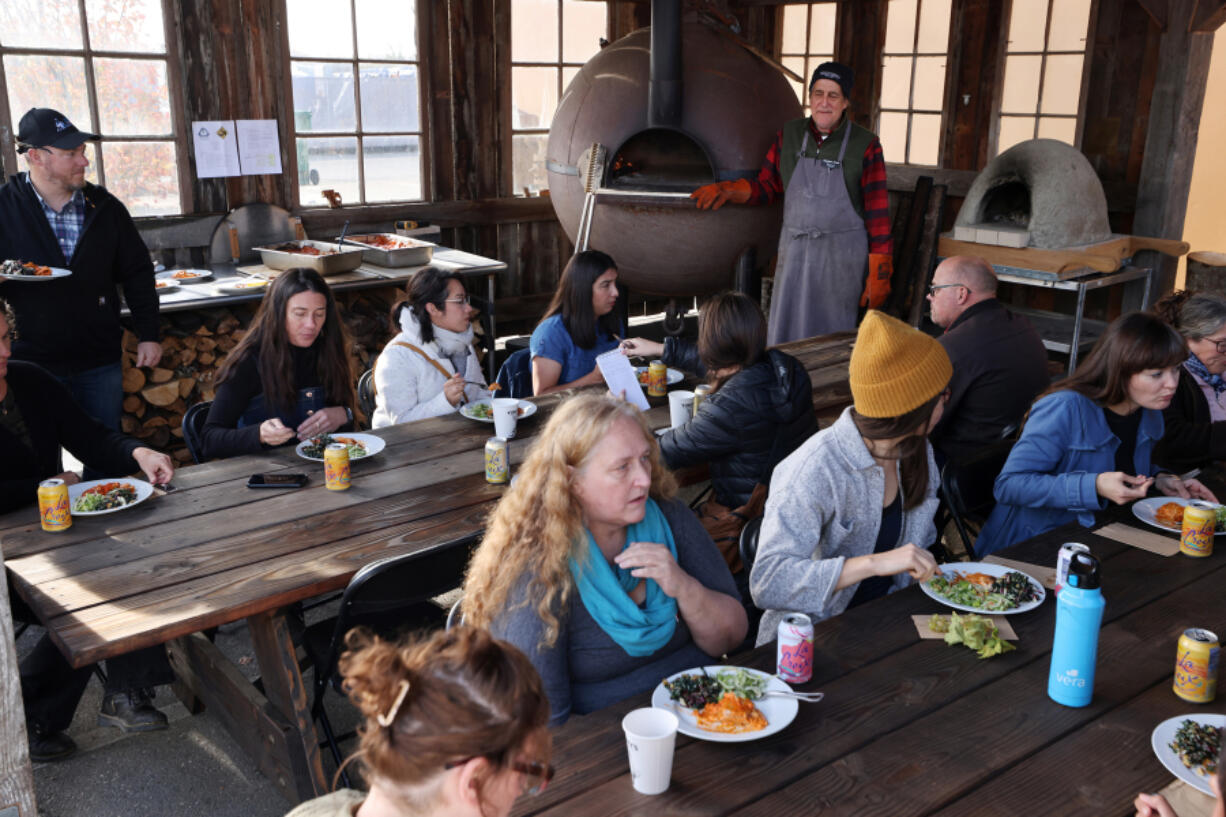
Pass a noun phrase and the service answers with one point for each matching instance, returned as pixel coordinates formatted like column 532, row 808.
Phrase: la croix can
column 53, row 505
column 497, row 461
column 701, row 393
column 794, row 648
column 1199, row 524
column 336, row 467
column 1064, row 559
column 657, row 379
column 1196, row 661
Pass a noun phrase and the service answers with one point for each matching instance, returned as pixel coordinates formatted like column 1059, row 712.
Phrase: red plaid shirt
column 769, row 185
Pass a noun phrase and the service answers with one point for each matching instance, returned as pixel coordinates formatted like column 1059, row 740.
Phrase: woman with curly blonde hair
column 453, row 724
column 594, row 570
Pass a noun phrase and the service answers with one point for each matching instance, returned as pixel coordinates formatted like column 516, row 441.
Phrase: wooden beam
column 859, row 44
column 16, row 781
column 1157, row 10
column 1209, row 16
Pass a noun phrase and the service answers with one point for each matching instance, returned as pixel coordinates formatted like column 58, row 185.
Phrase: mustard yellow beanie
column 894, row 367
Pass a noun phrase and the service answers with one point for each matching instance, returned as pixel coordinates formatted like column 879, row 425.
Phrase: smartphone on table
column 277, row 481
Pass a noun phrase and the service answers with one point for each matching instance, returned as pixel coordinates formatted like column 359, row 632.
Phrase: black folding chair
column 193, row 429
column 966, row 488
column 748, row 544
column 366, row 393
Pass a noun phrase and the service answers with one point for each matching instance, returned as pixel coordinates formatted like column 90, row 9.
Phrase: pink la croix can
column 794, row 650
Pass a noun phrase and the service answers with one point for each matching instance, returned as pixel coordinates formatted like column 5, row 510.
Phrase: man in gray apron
column 835, row 217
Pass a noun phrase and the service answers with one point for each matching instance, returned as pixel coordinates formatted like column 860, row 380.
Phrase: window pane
column 323, row 96
column 1026, row 25
column 583, row 24
column 797, row 64
column 895, row 82
column 133, row 25
column 795, row 18
column 40, row 24
column 534, row 31
column 892, row 131
column 1056, row 128
column 1062, row 84
column 925, row 139
column 900, row 27
column 1014, row 129
column 389, row 97
column 528, row 163
column 929, row 91
column 1021, row 91
column 568, row 74
column 319, row 28
column 821, row 29
column 91, row 172
column 387, row 29
column 534, row 96
column 1070, row 20
column 133, row 97
column 327, row 164
column 48, row 82
column 393, row 168
column 143, row 176
column 934, row 27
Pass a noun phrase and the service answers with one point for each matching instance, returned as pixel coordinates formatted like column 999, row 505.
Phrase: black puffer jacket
column 758, row 417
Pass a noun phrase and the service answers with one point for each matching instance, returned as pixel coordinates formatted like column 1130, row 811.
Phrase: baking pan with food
column 324, row 258
column 391, row 250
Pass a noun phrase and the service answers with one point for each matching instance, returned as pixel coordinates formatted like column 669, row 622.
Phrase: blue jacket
column 1049, row 477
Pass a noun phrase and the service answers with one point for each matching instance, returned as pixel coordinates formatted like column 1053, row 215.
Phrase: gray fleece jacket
column 825, row 507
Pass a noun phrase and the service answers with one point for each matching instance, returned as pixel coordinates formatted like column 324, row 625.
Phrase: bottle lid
column 1083, row 572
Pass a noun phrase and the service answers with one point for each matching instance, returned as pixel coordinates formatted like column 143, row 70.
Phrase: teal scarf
column 605, row 590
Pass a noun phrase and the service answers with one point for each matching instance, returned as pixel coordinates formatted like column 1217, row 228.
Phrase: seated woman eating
column 759, row 411
column 1194, row 431
column 594, row 570
column 288, row 378
column 1089, row 438
column 428, row 369
column 579, row 326
column 454, row 724
column 849, row 517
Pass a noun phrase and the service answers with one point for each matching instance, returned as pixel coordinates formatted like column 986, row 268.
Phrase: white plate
column 675, row 376
column 1164, row 733
column 373, row 445
column 991, row 570
column 1144, row 509
column 143, row 491
column 526, row 410
column 243, row 287
column 197, row 275
column 779, row 711
column 56, row 272
column 169, row 286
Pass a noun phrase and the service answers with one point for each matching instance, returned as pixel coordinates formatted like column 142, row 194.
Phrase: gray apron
column 823, row 252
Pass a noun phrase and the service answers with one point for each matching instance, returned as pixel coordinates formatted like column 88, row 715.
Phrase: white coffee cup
column 680, row 407
column 506, row 415
column 651, row 735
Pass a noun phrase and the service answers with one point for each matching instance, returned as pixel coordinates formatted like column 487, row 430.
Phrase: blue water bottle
column 1079, row 613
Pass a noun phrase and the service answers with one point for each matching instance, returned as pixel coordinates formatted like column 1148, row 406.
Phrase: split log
column 132, row 404
column 155, row 422
column 185, row 386
column 160, row 375
column 129, row 424
column 133, row 380
column 162, row 395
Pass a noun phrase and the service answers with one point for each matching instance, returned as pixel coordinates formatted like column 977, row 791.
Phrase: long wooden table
column 214, row 551
column 911, row 727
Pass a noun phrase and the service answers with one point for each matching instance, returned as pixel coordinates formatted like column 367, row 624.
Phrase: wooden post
column 16, row 781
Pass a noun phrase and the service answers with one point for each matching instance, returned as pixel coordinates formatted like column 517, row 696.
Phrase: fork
column 806, row 697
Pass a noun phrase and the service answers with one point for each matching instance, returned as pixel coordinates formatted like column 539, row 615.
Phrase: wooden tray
column 1066, row 263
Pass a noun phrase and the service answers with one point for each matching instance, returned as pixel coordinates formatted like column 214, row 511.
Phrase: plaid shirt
column 769, row 186
column 66, row 224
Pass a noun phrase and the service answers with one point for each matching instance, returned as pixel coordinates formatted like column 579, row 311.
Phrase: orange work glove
column 877, row 284
column 713, row 196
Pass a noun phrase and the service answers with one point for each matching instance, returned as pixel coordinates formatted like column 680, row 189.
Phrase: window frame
column 807, row 56
column 910, row 110
column 174, row 88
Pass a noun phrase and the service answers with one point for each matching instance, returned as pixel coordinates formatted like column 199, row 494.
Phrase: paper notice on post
column 215, row 145
column 620, row 377
column 259, row 149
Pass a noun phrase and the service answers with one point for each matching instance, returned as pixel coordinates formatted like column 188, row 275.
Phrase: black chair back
column 967, row 488
column 193, row 429
column 366, row 393
column 515, row 376
column 748, row 544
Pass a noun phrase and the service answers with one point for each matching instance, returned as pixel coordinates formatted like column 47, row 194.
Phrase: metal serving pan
column 337, row 260
column 408, row 252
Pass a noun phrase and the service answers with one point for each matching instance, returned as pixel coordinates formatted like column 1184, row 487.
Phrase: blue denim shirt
column 1049, row 477
column 550, row 339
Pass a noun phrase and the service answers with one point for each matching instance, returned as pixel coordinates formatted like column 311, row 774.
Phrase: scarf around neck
column 455, row 346
column 1215, row 381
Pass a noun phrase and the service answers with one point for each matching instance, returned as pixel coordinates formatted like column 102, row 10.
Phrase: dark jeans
column 100, row 392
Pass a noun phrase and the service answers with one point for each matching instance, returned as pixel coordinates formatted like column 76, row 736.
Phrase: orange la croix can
column 1199, row 524
column 336, row 467
column 53, row 505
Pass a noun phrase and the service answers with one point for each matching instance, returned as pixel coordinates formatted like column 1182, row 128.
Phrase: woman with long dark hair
column 1090, row 437
column 1195, row 421
column 430, row 367
column 289, row 376
column 578, row 326
column 849, row 517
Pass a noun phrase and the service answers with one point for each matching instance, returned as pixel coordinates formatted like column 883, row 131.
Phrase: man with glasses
column 1000, row 364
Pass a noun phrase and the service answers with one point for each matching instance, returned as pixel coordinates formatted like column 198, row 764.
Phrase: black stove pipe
column 664, row 92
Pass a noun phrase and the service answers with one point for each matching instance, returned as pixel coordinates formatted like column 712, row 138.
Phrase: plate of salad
column 1166, row 513
column 726, row 704
column 482, row 411
column 1189, row 746
column 99, row 496
column 980, row 587
column 360, row 445
column 674, row 376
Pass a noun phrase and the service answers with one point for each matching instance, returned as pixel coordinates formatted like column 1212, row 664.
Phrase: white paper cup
column 680, row 407
column 650, row 736
column 506, row 415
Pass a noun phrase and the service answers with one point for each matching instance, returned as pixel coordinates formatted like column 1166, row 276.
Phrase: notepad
column 621, row 379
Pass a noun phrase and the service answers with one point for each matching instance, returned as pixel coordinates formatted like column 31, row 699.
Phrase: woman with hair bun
column 454, row 724
column 1195, row 420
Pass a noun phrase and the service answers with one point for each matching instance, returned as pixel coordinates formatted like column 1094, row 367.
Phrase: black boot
column 47, row 746
column 132, row 711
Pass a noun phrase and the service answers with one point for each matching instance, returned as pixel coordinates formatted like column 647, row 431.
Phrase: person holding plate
column 1090, row 438
column 288, row 378
column 429, row 369
column 591, row 567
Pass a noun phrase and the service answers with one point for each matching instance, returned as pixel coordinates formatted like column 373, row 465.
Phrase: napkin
column 1046, row 576
column 1187, row 801
column 1002, row 624
column 1153, row 542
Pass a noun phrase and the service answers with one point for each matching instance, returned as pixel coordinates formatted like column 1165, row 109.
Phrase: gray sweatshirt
column 825, row 507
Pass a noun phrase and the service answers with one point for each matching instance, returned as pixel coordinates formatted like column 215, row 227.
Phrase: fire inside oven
column 1007, row 203
column 660, row 159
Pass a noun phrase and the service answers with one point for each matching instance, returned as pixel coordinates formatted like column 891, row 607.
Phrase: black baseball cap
column 45, row 128
column 836, row 72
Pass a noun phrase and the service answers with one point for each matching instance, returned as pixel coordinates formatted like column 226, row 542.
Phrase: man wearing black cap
column 52, row 216
column 836, row 216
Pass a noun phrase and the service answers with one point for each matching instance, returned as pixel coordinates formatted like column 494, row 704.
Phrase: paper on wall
column 215, row 145
column 259, row 149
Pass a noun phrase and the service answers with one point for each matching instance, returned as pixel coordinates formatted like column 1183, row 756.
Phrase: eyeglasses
column 1220, row 345
column 932, row 288
column 536, row 775
column 467, row 300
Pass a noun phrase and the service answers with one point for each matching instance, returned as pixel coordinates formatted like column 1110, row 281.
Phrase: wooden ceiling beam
column 1208, row 17
column 1157, row 11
